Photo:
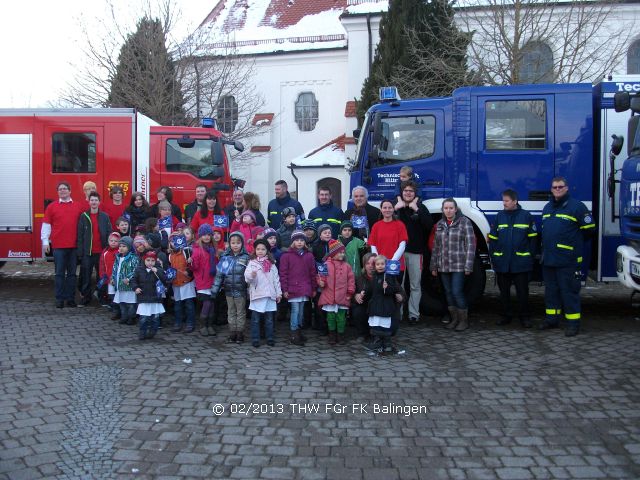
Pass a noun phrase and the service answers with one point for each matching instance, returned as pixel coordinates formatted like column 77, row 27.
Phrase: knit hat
column 115, row 234
column 288, row 211
column 309, row 225
column 205, row 229
column 127, row 242
column 219, row 230
column 298, row 234
column 139, row 239
column 334, row 247
column 269, row 232
column 322, row 228
column 150, row 254
column 346, row 224
column 250, row 213
column 237, row 234
column 255, row 231
column 181, row 226
column 263, row 242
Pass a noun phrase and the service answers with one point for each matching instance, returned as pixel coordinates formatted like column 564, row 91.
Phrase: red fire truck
column 41, row 147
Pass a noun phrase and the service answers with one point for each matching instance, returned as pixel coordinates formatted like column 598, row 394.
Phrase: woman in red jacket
column 389, row 236
column 207, row 211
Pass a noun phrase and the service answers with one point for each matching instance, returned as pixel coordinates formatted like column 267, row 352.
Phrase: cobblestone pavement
column 81, row 397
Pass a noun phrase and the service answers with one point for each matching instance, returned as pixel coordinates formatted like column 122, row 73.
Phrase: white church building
column 311, row 58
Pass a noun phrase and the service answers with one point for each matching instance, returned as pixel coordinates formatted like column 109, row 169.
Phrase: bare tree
column 533, row 41
column 209, row 71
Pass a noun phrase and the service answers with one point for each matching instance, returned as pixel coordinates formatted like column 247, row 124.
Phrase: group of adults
column 401, row 229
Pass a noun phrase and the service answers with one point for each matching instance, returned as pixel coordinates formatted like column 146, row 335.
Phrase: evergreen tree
column 145, row 77
column 421, row 51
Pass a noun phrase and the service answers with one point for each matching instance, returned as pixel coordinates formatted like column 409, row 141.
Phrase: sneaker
column 204, row 331
column 176, row 329
column 189, row 329
column 212, row 331
column 413, row 320
column 71, row 304
column 374, row 345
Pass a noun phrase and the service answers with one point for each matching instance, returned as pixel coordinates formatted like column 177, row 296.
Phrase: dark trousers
column 88, row 264
column 360, row 318
column 255, row 325
column 561, row 294
column 65, row 262
column 521, row 282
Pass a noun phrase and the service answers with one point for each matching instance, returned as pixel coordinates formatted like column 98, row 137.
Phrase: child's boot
column 296, row 338
column 332, row 337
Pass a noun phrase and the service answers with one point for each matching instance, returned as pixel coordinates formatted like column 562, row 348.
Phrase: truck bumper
column 628, row 275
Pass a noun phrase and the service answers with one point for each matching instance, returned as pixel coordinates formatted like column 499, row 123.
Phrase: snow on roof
column 329, row 154
column 267, row 26
column 361, row 7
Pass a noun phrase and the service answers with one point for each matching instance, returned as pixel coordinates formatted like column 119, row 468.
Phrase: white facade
column 333, row 68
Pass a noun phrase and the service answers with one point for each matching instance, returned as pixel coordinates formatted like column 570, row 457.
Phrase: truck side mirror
column 616, row 145
column 238, row 146
column 621, row 101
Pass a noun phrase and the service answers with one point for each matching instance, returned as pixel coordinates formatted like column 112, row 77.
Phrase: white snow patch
column 361, row 7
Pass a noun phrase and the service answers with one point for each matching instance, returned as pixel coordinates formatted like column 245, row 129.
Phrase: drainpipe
column 370, row 46
column 290, row 167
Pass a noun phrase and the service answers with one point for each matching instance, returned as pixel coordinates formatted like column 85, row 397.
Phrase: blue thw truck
column 482, row 140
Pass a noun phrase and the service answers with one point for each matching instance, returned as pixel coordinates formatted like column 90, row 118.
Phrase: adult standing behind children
column 327, row 212
column 115, row 206
column 282, row 201
column 389, row 236
column 137, row 212
column 452, row 257
column 59, row 235
column 361, row 208
column 192, row 208
column 94, row 228
column 417, row 219
column 252, row 203
column 208, row 210
column 165, row 193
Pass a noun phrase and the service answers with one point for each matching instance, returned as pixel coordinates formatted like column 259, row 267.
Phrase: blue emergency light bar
column 389, row 94
column 208, row 122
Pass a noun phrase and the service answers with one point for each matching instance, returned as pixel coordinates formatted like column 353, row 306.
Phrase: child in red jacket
column 105, row 269
column 338, row 286
column 203, row 263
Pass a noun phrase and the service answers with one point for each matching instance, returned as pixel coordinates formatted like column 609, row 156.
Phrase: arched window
column 633, row 58
column 536, row 65
column 306, row 111
column 227, row 114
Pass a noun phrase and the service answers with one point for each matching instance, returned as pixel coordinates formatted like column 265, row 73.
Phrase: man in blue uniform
column 566, row 223
column 282, row 201
column 512, row 242
column 327, row 212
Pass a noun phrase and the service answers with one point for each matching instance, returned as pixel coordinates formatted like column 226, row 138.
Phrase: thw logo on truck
column 634, row 197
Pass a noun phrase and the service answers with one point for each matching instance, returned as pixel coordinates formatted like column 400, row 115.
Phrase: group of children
column 295, row 265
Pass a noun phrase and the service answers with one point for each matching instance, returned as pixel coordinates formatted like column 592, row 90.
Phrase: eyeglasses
column 558, row 187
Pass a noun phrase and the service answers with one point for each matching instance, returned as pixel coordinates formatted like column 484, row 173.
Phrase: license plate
column 635, row 269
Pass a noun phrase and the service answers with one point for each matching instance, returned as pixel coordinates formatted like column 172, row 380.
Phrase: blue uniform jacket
column 566, row 223
column 512, row 241
column 274, row 217
column 329, row 214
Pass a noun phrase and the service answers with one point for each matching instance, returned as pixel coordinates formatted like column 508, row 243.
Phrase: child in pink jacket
column 338, row 286
column 264, row 289
column 203, row 262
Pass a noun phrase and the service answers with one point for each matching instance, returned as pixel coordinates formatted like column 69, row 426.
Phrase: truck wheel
column 475, row 283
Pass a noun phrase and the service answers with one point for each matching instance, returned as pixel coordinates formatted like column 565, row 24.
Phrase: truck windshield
column 407, row 138
column 196, row 160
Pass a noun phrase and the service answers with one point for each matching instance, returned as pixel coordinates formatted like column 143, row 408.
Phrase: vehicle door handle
column 432, row 183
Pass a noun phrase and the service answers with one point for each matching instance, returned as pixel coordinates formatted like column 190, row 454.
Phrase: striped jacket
column 512, row 241
column 454, row 246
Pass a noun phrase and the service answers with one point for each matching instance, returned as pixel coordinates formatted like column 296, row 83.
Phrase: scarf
column 212, row 258
column 265, row 264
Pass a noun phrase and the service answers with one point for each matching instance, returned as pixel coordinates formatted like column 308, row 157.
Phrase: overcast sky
column 40, row 39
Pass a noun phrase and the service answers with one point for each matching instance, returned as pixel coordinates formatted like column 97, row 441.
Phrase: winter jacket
column 381, row 301
column 85, row 232
column 146, row 281
column 124, row 269
column 107, row 259
column 339, row 284
column 419, row 225
column 201, row 267
column 512, row 241
column 264, row 284
column 234, row 282
column 354, row 249
column 245, row 230
column 320, row 249
column 197, row 220
column 190, row 211
column 275, row 207
column 566, row 224
column 455, row 245
column 277, row 255
column 329, row 214
column 284, row 235
column 298, row 273
column 372, row 213
column 178, row 260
